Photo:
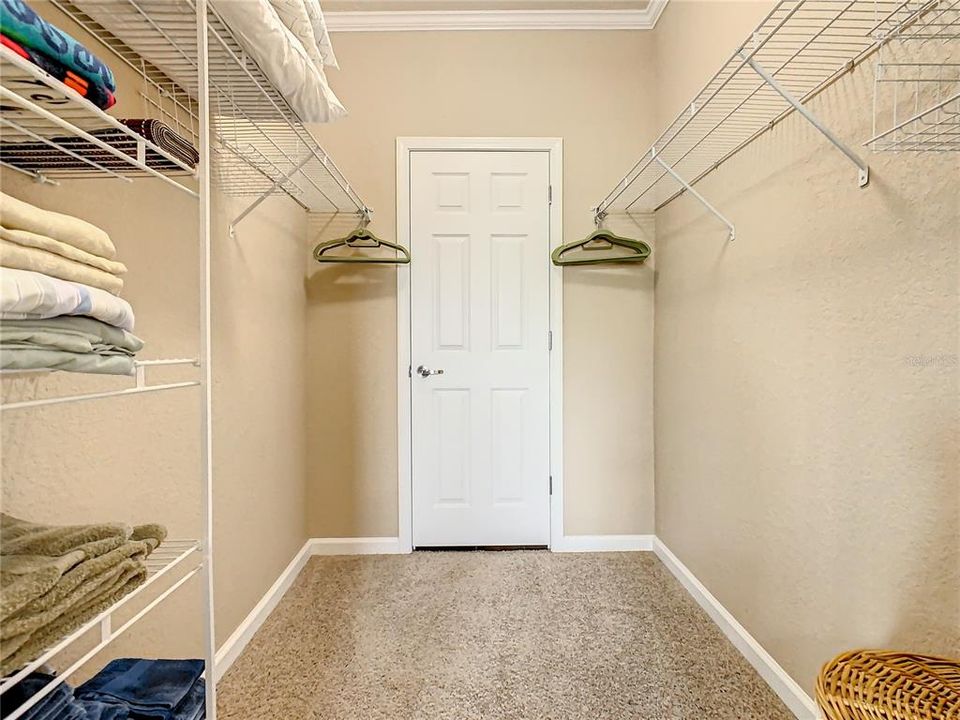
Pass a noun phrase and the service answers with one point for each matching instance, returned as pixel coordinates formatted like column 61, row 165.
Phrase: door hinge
column 549, row 340
column 409, row 371
column 549, row 194
column 551, row 484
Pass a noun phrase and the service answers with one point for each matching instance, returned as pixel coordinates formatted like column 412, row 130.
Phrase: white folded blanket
column 26, row 295
column 18, row 215
column 42, row 242
column 19, row 257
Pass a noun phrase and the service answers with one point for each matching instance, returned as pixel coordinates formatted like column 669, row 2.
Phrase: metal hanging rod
column 803, row 47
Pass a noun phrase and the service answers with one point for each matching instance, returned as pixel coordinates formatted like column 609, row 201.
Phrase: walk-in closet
column 513, row 360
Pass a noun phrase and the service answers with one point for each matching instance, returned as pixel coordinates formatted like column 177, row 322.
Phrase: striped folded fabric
column 85, row 155
column 96, row 93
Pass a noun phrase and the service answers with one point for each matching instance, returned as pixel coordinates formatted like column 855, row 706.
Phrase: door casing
column 405, row 147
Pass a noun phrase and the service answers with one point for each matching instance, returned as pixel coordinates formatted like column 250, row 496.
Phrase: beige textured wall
column 566, row 84
column 137, row 459
column 807, row 378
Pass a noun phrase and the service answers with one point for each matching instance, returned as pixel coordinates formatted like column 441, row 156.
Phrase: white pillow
column 293, row 14
column 282, row 58
column 320, row 33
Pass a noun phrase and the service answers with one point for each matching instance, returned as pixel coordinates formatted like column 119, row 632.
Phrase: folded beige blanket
column 42, row 242
column 21, row 257
column 55, row 578
column 18, row 215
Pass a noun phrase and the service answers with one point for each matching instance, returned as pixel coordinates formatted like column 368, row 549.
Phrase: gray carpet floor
column 526, row 635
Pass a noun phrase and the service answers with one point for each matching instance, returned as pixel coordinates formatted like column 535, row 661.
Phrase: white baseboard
column 603, row 543
column 792, row 695
column 355, row 546
column 234, row 645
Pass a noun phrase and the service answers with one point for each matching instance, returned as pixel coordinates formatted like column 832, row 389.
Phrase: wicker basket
column 881, row 685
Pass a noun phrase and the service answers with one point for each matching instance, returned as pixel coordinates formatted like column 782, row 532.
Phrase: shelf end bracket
column 863, row 170
column 689, row 188
column 265, row 194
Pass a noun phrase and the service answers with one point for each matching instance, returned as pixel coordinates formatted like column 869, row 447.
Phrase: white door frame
column 406, row 146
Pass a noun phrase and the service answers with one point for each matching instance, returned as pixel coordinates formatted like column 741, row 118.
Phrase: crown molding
column 441, row 20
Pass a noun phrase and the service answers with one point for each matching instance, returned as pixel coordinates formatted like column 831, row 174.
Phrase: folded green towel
column 53, row 579
column 19, row 537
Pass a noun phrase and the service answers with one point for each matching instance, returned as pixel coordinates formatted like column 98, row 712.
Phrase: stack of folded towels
column 58, row 295
column 55, row 578
column 126, row 689
column 31, row 37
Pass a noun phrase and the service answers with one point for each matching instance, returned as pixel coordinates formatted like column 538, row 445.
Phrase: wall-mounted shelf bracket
column 863, row 170
column 267, row 193
column 689, row 188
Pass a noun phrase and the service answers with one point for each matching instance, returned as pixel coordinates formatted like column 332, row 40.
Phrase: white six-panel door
column 480, row 309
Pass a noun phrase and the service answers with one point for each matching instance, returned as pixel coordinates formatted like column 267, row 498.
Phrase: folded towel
column 151, row 689
column 18, row 215
column 21, row 23
column 55, row 706
column 20, row 257
column 27, row 577
column 94, row 92
column 38, row 156
column 55, row 578
column 21, row 537
column 42, row 242
column 26, row 295
column 21, row 650
column 82, row 582
column 71, row 334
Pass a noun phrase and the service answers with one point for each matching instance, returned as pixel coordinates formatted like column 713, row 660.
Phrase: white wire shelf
column 920, row 20
column 44, row 123
column 798, row 50
column 916, row 91
column 260, row 145
column 140, row 378
column 170, row 555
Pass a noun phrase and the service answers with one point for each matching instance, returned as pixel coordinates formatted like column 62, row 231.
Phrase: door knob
column 426, row 372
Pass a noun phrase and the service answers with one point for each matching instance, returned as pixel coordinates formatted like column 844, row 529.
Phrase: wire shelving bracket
column 693, row 191
column 863, row 176
column 797, row 51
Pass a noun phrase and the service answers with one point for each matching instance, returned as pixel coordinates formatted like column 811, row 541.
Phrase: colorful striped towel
column 21, row 23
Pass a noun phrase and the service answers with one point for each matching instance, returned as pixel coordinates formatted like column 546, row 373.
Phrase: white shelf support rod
column 863, row 170
column 267, row 193
column 204, row 133
column 692, row 190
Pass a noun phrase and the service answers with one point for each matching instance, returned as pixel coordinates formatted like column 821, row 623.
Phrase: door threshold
column 475, row 548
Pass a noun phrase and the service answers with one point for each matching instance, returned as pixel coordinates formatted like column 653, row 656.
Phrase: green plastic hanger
column 361, row 238
column 601, row 239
